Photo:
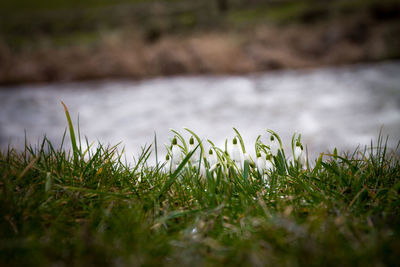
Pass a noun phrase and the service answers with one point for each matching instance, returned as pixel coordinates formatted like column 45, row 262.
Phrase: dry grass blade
column 28, row 167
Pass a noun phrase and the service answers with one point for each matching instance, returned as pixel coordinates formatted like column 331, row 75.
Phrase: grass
column 89, row 207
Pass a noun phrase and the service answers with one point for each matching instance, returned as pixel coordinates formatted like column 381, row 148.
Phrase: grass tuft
column 339, row 209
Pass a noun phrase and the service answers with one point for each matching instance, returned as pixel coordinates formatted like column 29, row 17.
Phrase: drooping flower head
column 268, row 162
column 191, row 141
column 169, row 165
column 260, row 164
column 274, row 145
column 236, row 152
column 167, row 161
column 298, row 151
column 299, row 155
column 212, row 158
column 175, row 151
column 195, row 157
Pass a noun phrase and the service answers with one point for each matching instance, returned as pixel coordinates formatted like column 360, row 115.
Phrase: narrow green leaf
column 246, row 170
column 72, row 134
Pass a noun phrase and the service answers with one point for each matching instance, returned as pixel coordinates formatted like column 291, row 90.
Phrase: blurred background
column 130, row 68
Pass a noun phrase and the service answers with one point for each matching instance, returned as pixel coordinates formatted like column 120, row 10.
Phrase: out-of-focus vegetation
column 41, row 25
column 63, row 22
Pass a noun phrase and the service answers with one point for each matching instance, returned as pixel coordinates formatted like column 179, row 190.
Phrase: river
column 341, row 107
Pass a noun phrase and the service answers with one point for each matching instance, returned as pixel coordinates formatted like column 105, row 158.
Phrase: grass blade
column 72, row 134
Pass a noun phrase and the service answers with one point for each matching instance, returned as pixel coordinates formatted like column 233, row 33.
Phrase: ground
column 142, row 39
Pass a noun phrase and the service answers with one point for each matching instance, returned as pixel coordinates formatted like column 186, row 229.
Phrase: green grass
column 89, row 207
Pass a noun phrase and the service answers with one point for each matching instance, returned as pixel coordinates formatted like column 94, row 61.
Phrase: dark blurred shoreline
column 187, row 43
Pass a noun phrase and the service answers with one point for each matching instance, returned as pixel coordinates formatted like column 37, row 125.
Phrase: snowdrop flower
column 236, row 152
column 212, row 159
column 260, row 163
column 202, row 170
column 274, row 145
column 298, row 151
column 169, row 165
column 175, row 151
column 268, row 162
column 195, row 157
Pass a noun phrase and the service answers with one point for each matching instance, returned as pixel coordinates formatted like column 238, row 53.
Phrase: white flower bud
column 260, row 164
column 169, row 165
column 236, row 155
column 176, row 152
column 173, row 167
column 212, row 158
column 274, row 145
column 195, row 157
column 298, row 151
column 202, row 170
column 268, row 162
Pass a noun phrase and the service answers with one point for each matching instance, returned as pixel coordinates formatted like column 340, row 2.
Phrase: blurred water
column 333, row 107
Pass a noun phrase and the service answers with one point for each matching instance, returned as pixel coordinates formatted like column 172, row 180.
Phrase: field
column 90, row 207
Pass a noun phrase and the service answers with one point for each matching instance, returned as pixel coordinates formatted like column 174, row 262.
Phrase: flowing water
column 333, row 107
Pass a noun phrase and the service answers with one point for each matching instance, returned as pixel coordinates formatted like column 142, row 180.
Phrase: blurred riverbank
column 145, row 39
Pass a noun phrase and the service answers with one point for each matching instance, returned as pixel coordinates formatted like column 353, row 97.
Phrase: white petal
column 169, row 166
column 236, row 154
column 269, row 165
column 195, row 157
column 298, row 152
column 260, row 164
column 212, row 159
column 274, row 147
column 176, row 154
column 202, row 171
